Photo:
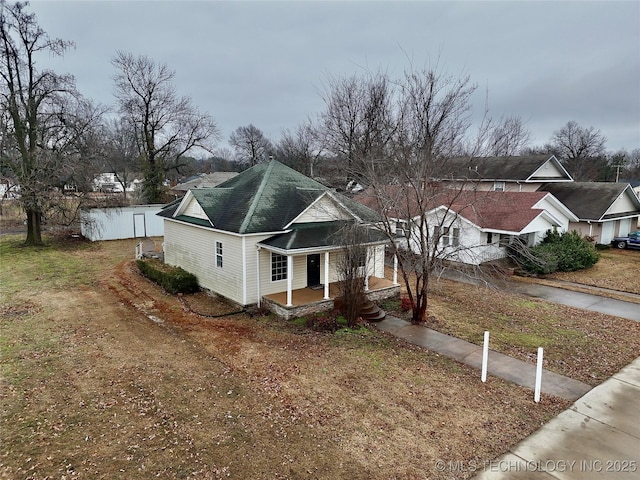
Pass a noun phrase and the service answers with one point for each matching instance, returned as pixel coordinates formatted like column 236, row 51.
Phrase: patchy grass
column 616, row 270
column 104, row 375
column 584, row 345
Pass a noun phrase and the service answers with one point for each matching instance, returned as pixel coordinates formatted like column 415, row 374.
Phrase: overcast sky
column 266, row 62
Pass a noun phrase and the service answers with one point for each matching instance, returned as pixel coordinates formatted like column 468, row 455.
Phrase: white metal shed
column 135, row 221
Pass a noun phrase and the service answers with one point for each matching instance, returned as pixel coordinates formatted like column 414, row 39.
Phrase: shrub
column 557, row 252
column 405, row 304
column 172, row 279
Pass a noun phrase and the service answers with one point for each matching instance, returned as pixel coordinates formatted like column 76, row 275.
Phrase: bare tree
column 166, row 126
column 358, row 122
column 120, row 153
column 302, row 149
column 250, row 144
column 426, row 121
column 581, row 149
column 509, row 137
column 48, row 123
column 351, row 268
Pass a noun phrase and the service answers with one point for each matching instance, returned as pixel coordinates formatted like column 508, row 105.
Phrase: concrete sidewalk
column 499, row 365
column 597, row 437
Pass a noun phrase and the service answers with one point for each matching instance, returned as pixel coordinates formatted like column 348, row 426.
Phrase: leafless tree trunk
column 47, row 120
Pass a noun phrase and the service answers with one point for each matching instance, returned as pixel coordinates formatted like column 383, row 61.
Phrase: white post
column 326, row 275
column 485, row 356
column 289, row 281
column 536, row 395
column 366, row 282
column 258, row 276
column 395, row 269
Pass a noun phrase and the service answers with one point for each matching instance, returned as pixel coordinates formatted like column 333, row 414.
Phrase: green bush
column 172, row 279
column 559, row 252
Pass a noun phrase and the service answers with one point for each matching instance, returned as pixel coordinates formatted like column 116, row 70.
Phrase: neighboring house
column 109, row 183
column 477, row 227
column 271, row 233
column 604, row 210
column 524, row 173
column 202, row 181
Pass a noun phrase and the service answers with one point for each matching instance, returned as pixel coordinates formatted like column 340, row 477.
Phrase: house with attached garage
column 604, row 210
column 272, row 236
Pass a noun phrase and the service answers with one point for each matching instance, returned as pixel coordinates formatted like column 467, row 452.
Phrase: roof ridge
column 256, row 198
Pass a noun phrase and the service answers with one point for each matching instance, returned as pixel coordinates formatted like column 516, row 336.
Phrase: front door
column 313, row 270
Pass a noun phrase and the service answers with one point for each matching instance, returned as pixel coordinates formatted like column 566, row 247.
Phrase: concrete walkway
column 597, row 437
column 586, row 301
column 499, row 365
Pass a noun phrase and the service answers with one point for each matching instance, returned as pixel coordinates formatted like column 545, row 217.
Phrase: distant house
column 524, row 173
column 109, row 183
column 604, row 210
column 272, row 235
column 202, row 181
column 477, row 227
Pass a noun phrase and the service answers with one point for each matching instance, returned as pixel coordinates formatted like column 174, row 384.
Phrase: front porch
column 307, row 300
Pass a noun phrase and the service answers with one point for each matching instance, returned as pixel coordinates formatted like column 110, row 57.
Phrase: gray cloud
column 264, row 62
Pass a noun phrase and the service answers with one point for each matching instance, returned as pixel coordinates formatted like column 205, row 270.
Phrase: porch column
column 366, row 282
column 258, row 276
column 395, row 269
column 289, row 280
column 326, row 275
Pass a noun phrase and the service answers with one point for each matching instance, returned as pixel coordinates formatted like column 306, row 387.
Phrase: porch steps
column 370, row 312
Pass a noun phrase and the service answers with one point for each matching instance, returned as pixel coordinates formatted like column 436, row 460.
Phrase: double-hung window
column 278, row 267
column 219, row 254
column 449, row 237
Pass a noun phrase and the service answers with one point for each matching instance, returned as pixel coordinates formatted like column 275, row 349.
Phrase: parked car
column 630, row 241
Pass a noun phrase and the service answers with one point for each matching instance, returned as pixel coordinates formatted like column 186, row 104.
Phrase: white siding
column 118, row 223
column 194, row 249
column 547, row 171
column 193, row 209
column 324, row 210
column 623, row 204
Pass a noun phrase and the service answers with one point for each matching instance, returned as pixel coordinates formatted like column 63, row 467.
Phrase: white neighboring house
column 109, row 183
column 477, row 227
column 479, row 230
column 270, row 233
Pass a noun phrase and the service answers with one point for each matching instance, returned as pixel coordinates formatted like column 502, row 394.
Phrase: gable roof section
column 488, row 210
column 592, row 200
column 521, row 168
column 501, row 211
column 264, row 198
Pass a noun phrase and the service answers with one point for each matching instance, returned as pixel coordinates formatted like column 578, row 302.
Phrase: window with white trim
column 449, row 237
column 219, row 254
column 278, row 267
column 498, row 186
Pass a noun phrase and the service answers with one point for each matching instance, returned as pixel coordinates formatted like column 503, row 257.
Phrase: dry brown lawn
column 616, row 270
column 106, row 376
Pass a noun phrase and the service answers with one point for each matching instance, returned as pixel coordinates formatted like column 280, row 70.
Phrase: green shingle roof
column 322, row 234
column 265, row 198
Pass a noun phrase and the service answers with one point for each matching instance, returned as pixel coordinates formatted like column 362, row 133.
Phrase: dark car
column 630, row 241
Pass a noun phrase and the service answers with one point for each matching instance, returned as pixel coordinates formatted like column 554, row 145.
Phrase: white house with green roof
column 271, row 233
